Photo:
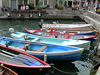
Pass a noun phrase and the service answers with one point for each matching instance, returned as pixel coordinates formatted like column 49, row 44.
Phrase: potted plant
column 40, row 8
column 56, row 6
column 98, row 11
column 31, row 5
column 60, row 7
column 74, row 2
column 39, row 3
column 74, row 8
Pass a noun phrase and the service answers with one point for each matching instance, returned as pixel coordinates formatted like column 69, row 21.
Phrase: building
column 16, row 4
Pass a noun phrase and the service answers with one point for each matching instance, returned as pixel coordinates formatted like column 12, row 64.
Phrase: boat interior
column 16, row 58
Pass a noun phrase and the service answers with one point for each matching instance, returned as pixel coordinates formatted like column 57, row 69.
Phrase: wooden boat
column 64, row 42
column 40, row 50
column 66, row 26
column 6, row 71
column 78, row 32
column 20, row 62
column 53, row 34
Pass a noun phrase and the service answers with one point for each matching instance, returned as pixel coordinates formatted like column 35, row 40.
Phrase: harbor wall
column 45, row 14
column 92, row 18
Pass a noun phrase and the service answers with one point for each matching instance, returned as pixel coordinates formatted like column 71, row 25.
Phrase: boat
column 6, row 71
column 79, row 29
column 43, row 51
column 40, row 39
column 53, row 34
column 77, row 32
column 20, row 62
column 66, row 26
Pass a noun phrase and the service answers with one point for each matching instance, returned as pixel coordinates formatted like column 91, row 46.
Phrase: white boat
column 66, row 26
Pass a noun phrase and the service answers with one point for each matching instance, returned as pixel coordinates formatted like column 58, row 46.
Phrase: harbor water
column 79, row 67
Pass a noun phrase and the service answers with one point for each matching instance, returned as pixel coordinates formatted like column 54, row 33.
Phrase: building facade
column 15, row 4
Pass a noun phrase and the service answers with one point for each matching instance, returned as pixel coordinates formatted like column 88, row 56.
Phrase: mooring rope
column 63, row 71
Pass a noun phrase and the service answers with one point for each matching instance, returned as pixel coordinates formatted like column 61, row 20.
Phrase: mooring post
column 45, row 58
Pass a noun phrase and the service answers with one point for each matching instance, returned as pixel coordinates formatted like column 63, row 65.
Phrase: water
column 81, row 66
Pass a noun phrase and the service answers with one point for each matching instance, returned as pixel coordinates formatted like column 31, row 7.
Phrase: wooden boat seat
column 42, row 48
column 25, row 46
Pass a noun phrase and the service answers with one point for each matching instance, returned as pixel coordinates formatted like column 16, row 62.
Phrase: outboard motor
column 41, row 23
column 11, row 30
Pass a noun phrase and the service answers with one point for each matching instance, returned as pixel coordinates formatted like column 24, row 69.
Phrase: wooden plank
column 42, row 48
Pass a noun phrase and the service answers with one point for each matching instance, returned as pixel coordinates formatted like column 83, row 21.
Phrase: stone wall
column 49, row 14
column 93, row 18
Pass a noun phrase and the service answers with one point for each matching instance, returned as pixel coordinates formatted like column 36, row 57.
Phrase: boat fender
column 39, row 14
column 56, row 35
column 45, row 58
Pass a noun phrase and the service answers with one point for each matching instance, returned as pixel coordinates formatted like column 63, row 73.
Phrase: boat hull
column 91, row 33
column 58, row 56
column 29, row 71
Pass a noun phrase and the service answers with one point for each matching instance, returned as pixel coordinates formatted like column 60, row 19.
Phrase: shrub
column 40, row 8
column 31, row 5
column 98, row 10
column 74, row 8
column 56, row 6
column 60, row 7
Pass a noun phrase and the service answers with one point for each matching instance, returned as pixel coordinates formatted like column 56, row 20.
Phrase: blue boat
column 40, row 50
column 40, row 39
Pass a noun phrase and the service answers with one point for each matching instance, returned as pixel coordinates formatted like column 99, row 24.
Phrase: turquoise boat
column 40, row 39
column 40, row 50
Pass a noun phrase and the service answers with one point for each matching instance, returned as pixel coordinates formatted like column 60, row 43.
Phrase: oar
column 31, row 64
column 12, row 56
column 35, row 62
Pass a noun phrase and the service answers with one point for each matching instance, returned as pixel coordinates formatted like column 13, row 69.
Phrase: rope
column 63, row 71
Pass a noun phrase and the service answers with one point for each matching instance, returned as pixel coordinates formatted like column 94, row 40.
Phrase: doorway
column 37, row 3
column 13, row 5
column 70, row 3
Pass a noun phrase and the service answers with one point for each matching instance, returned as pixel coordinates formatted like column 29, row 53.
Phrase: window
column 45, row 2
column 25, row 2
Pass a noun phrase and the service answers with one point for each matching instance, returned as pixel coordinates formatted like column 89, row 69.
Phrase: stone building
column 15, row 4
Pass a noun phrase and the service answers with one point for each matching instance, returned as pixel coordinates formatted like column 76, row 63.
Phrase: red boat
column 53, row 34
